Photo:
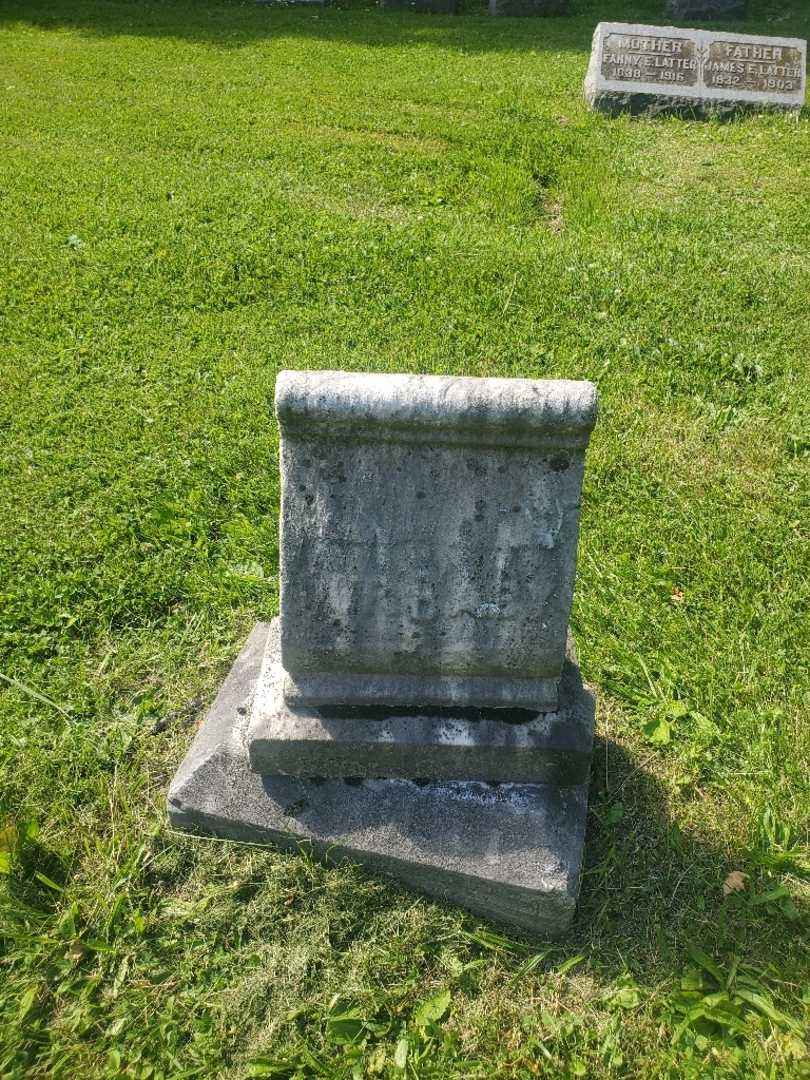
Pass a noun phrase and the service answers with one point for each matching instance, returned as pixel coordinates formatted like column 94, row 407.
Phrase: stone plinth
column 511, row 852
column 664, row 69
column 428, row 537
column 520, row 745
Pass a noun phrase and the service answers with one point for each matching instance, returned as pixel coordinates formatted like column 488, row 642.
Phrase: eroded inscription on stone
column 760, row 69
column 429, row 536
column 417, row 706
column 649, row 58
column 656, row 69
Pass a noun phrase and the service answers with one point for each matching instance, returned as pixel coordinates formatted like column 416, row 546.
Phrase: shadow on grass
column 228, row 914
column 649, row 888
column 234, row 24
column 230, row 26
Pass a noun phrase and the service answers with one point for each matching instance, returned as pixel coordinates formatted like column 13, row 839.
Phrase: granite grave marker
column 417, row 705
column 660, row 69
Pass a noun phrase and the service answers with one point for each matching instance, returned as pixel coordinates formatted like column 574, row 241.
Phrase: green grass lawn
column 195, row 195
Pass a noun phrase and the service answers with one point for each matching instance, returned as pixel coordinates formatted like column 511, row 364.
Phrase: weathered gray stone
column 428, row 543
column 653, row 70
column 519, row 8
column 519, row 745
column 510, row 852
column 428, row 536
column 706, row 9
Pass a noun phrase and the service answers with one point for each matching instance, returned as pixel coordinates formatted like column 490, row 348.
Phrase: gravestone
column 706, row 9
column 664, row 69
column 422, row 7
column 517, row 8
column 417, row 706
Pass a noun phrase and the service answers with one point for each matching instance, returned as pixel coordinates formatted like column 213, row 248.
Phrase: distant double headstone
column 529, row 7
column 496, row 7
column 417, row 706
column 706, row 9
column 656, row 69
column 422, row 7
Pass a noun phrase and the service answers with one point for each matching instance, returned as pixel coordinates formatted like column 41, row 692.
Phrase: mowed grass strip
column 194, row 196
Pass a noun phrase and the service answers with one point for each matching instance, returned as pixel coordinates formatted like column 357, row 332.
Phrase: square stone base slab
column 518, row 745
column 509, row 852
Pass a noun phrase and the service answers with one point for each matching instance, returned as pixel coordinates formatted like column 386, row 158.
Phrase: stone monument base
column 510, row 852
column 517, row 744
column 617, row 103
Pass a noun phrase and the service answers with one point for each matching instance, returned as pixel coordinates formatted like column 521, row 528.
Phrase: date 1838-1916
column 650, row 58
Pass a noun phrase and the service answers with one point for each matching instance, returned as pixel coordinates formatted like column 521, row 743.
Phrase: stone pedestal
column 417, row 706
column 452, row 743
column 510, row 852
